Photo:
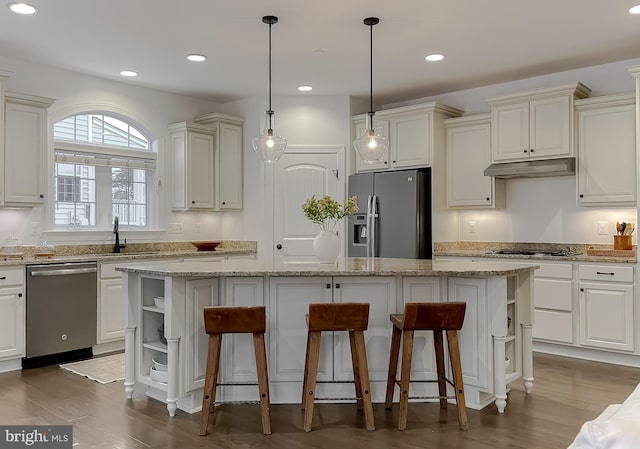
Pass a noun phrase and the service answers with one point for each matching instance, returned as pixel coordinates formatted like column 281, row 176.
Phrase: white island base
column 494, row 353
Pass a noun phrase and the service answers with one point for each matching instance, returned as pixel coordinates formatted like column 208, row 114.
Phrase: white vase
column 326, row 246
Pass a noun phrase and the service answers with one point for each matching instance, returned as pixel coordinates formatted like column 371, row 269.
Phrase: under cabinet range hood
column 533, row 169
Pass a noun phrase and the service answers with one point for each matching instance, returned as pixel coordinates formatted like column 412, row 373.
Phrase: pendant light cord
column 270, row 111
column 371, row 69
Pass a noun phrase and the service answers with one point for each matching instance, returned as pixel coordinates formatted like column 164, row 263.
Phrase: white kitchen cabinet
column 468, row 155
column 25, row 149
column 237, row 349
column 553, row 302
column 606, row 306
column 380, row 293
column 536, row 124
column 12, row 313
column 191, row 161
column 414, row 133
column 228, row 159
column 606, row 130
column 289, row 300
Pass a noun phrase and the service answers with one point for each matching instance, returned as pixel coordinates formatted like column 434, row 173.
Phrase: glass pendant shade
column 269, row 145
column 370, row 145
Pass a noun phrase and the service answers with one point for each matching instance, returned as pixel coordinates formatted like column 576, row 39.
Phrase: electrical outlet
column 471, row 227
column 175, row 228
column 603, row 228
column 35, row 229
column 198, row 228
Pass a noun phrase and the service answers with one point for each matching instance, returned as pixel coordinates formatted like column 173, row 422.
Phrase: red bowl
column 206, row 246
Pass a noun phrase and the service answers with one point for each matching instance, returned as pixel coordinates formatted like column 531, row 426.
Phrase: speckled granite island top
column 351, row 266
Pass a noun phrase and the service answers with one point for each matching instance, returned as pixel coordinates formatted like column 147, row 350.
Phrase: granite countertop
column 351, row 266
column 578, row 252
column 133, row 252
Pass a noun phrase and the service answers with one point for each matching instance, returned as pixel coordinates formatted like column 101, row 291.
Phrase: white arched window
column 103, row 169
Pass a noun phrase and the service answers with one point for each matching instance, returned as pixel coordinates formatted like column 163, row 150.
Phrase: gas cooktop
column 533, row 252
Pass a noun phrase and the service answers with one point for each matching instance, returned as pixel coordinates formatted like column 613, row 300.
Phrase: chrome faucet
column 117, row 246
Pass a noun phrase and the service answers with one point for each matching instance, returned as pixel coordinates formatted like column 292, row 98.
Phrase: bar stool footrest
column 240, row 384
column 432, row 397
column 336, row 399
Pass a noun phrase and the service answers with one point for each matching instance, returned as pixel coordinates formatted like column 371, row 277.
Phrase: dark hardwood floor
column 566, row 393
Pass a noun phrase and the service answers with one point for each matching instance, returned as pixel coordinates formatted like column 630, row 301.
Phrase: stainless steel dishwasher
column 61, row 312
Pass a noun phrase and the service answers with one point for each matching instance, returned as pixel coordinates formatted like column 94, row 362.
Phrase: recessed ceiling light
column 434, row 57
column 22, row 8
column 635, row 9
column 196, row 58
column 128, row 73
column 305, row 88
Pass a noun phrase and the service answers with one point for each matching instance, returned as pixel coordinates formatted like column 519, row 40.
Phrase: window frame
column 103, row 155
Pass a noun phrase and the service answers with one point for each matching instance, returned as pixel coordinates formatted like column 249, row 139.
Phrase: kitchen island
column 495, row 340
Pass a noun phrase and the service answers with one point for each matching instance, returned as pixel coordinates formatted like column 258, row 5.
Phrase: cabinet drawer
column 553, row 326
column 108, row 270
column 555, row 270
column 554, row 294
column 613, row 273
column 11, row 276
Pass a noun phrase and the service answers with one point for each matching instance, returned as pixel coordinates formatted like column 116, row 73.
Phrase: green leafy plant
column 327, row 212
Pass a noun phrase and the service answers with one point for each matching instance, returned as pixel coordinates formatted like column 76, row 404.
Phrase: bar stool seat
column 437, row 317
column 350, row 317
column 241, row 320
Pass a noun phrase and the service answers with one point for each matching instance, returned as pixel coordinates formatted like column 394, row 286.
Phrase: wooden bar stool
column 241, row 320
column 351, row 317
column 437, row 317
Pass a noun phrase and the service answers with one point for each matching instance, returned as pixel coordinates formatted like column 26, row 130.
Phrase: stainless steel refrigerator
column 394, row 216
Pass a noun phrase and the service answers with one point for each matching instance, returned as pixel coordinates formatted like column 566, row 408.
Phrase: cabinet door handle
column 337, row 285
column 581, row 195
column 488, row 199
column 224, row 202
column 193, row 202
column 526, row 151
column 3, row 278
column 278, row 246
column 582, row 289
column 385, row 162
column 602, row 272
column 531, row 150
column 42, row 195
column 19, row 295
column 328, row 285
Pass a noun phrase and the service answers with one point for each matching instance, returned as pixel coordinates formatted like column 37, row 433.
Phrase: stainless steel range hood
column 532, row 169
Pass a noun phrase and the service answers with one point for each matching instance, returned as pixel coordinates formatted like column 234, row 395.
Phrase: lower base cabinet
column 12, row 313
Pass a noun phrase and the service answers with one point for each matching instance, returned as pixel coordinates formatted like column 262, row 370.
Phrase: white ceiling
column 321, row 43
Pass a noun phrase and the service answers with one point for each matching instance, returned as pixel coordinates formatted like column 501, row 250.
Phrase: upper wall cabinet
column 536, row 124
column 24, row 156
column 606, row 133
column 192, row 151
column 227, row 159
column 206, row 161
column 413, row 131
column 468, row 154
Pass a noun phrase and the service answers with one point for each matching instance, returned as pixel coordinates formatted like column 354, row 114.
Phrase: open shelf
column 156, row 346
column 153, row 309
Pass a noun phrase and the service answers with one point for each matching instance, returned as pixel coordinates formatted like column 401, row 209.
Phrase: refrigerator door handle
column 369, row 223
column 374, row 215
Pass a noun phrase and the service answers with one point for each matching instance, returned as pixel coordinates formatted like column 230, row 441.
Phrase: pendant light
column 269, row 146
column 370, row 145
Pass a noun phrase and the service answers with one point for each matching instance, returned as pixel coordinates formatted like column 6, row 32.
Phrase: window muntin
column 101, row 163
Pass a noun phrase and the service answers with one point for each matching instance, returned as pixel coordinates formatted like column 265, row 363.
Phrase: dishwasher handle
column 64, row 272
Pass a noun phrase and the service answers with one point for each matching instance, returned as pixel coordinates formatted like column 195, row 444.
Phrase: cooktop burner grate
column 533, row 252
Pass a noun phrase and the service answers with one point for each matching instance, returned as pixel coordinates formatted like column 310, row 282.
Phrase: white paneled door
column 299, row 174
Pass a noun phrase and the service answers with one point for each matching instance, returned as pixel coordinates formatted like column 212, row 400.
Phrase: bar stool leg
column 405, row 375
column 210, row 381
column 263, row 381
column 456, row 368
column 361, row 353
column 356, row 370
column 393, row 366
column 439, row 350
column 310, row 382
column 303, row 398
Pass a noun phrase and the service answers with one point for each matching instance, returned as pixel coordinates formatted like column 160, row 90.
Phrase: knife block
column 622, row 242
